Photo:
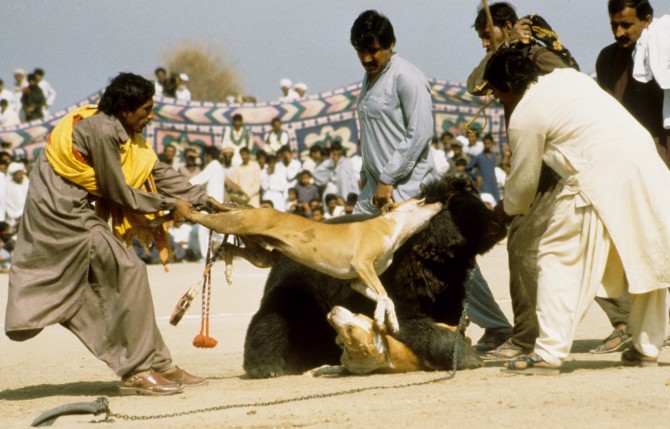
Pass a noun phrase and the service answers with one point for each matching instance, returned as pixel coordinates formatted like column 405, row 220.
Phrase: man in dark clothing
column 614, row 68
column 33, row 99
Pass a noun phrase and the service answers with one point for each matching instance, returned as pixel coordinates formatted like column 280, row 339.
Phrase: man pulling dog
column 70, row 268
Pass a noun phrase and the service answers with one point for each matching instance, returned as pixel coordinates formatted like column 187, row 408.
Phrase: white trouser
column 576, row 258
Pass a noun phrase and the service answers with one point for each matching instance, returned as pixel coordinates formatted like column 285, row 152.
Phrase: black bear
column 426, row 281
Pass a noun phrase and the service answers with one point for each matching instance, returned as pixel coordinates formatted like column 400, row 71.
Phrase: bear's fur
column 426, row 281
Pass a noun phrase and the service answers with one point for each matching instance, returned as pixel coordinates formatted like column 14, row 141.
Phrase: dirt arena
column 593, row 391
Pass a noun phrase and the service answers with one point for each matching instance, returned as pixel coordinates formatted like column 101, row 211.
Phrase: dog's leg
column 370, row 286
column 327, row 370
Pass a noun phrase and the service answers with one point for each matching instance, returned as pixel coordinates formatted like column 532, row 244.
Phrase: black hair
column 31, row 76
column 244, row 149
column 315, row 148
column 500, row 14
column 447, row 134
column 212, row 151
column 275, row 119
column 642, row 7
column 38, row 71
column 330, row 197
column 126, row 93
column 160, row 69
column 370, row 26
column 509, row 69
column 237, row 117
column 261, row 153
column 284, row 148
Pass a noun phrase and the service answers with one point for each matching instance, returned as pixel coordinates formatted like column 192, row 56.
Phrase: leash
column 101, row 404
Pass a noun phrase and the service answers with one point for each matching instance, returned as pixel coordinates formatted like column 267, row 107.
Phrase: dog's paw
column 326, row 370
column 391, row 318
column 266, row 371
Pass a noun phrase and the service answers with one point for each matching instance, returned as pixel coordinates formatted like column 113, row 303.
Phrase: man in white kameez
column 610, row 228
column 212, row 177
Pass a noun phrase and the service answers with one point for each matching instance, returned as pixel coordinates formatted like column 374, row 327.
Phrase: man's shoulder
column 408, row 70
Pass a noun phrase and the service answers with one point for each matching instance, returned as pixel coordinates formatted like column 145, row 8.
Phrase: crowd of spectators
column 323, row 185
column 28, row 100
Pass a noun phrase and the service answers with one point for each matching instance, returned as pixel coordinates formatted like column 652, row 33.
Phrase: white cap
column 20, row 71
column 285, row 83
column 183, row 77
column 15, row 167
column 301, row 85
column 463, row 140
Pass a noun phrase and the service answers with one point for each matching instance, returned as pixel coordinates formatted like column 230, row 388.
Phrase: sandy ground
column 54, row 369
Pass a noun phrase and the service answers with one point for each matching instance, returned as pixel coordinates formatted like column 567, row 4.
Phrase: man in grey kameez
column 69, row 268
column 396, row 122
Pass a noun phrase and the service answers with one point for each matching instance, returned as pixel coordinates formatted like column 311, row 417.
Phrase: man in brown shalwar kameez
column 70, row 268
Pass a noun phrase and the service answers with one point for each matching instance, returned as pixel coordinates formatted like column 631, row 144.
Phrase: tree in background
column 211, row 76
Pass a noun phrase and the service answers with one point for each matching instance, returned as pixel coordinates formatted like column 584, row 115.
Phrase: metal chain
column 451, row 375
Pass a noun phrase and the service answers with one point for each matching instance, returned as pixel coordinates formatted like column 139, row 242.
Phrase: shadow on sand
column 81, row 388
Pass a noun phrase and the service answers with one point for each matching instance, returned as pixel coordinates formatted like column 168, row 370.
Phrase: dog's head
column 362, row 344
column 464, row 225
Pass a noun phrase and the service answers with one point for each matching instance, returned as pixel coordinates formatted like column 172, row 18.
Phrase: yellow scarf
column 137, row 161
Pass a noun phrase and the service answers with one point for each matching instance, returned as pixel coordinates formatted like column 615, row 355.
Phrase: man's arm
column 527, row 146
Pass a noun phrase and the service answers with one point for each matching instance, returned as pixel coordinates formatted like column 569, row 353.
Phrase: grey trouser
column 116, row 320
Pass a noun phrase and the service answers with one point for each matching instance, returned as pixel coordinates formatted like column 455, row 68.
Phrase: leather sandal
column 507, row 350
column 617, row 341
column 149, row 383
column 531, row 364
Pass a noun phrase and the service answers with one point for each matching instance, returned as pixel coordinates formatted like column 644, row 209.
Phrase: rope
column 203, row 340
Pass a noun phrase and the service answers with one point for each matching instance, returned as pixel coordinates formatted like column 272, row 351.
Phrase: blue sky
column 82, row 43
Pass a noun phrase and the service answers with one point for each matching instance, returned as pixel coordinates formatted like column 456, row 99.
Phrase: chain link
column 449, row 376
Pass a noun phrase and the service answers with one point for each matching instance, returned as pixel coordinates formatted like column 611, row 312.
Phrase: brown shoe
column 149, row 383
column 179, row 376
column 632, row 357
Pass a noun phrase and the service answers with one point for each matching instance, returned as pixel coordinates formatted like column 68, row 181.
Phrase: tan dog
column 358, row 250
column 367, row 349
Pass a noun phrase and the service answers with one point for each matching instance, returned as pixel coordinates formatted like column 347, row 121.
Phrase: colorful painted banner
column 318, row 119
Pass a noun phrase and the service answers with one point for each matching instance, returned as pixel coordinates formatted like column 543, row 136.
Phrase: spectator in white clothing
column 273, row 184
column 276, row 137
column 288, row 92
column 314, row 159
column 6, row 94
column 475, row 145
column 301, row 89
column 16, row 190
column 161, row 76
column 20, row 82
column 290, row 165
column 8, row 116
column 182, row 92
